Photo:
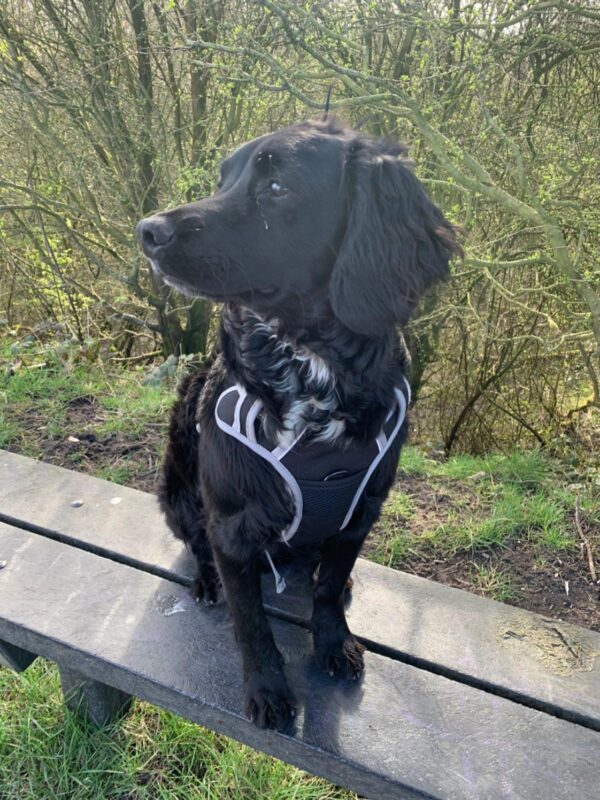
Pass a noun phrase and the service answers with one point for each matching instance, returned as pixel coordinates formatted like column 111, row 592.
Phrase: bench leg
column 98, row 703
column 15, row 657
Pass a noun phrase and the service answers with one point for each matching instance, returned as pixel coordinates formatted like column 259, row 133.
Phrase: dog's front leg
column 336, row 650
column 269, row 701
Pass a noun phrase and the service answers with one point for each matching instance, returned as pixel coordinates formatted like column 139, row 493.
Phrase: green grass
column 493, row 582
column 400, row 504
column 512, row 514
column 39, row 385
column 123, row 474
column 46, row 753
column 9, row 431
column 524, row 468
column 144, row 405
column 468, row 503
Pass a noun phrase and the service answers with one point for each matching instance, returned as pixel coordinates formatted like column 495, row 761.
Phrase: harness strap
column 279, row 579
column 250, row 441
column 383, row 443
column 243, row 428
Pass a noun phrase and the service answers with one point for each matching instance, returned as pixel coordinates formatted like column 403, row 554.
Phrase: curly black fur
column 320, row 241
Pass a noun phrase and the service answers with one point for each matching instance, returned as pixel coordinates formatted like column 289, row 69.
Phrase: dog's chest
column 303, row 382
column 312, row 402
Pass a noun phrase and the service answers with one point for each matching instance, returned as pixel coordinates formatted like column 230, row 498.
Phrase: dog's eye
column 276, row 189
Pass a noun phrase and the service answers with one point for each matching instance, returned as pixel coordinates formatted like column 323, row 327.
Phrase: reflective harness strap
column 248, row 437
column 383, row 443
column 245, row 432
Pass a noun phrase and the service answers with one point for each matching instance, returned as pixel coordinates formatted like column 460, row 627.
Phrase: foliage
column 111, row 110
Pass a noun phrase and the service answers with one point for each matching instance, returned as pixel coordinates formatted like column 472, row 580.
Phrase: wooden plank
column 539, row 661
column 544, row 663
column 400, row 733
column 74, row 507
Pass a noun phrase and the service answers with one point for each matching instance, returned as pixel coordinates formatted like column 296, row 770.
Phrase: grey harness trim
column 274, row 456
column 243, row 428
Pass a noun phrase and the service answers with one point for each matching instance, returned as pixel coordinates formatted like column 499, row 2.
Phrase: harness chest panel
column 325, row 482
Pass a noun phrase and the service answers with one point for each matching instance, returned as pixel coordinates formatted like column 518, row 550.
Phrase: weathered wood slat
column 542, row 662
column 401, row 733
column 74, row 507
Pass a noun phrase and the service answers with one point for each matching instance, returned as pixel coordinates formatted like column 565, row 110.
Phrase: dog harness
column 325, row 482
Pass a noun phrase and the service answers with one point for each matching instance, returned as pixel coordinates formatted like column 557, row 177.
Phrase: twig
column 586, row 543
column 135, row 359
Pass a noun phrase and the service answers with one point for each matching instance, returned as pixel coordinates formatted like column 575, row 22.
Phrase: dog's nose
column 154, row 232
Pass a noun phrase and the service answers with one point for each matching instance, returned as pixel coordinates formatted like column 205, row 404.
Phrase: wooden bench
column 462, row 697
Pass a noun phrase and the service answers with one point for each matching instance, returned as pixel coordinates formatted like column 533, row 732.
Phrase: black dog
column 320, row 241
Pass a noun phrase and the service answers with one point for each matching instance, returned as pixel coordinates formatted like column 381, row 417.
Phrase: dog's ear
column 397, row 242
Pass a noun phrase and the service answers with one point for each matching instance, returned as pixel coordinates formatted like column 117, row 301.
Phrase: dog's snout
column 154, row 232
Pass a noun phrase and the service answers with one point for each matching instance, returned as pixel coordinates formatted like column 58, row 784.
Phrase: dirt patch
column 538, row 584
column 557, row 585
column 131, row 460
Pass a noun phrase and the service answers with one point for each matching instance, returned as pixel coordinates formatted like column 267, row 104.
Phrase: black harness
column 324, row 481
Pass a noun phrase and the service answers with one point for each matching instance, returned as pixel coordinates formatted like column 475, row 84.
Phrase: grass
column 47, row 382
column 46, row 753
column 493, row 582
column 527, row 469
column 145, row 404
column 123, row 474
column 468, row 505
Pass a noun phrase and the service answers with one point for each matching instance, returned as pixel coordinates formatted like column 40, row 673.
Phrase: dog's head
column 310, row 212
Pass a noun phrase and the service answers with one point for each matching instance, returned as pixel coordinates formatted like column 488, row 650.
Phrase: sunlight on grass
column 414, row 462
column 392, row 549
column 493, row 582
column 9, row 431
column 507, row 518
column 526, row 468
column 119, row 473
column 399, row 504
column 477, row 503
column 461, row 467
column 47, row 753
column 131, row 406
column 512, row 514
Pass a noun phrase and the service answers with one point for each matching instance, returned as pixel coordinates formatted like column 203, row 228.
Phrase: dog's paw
column 343, row 660
column 207, row 588
column 270, row 706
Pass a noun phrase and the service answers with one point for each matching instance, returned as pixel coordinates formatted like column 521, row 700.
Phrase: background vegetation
column 114, row 108
column 111, row 109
